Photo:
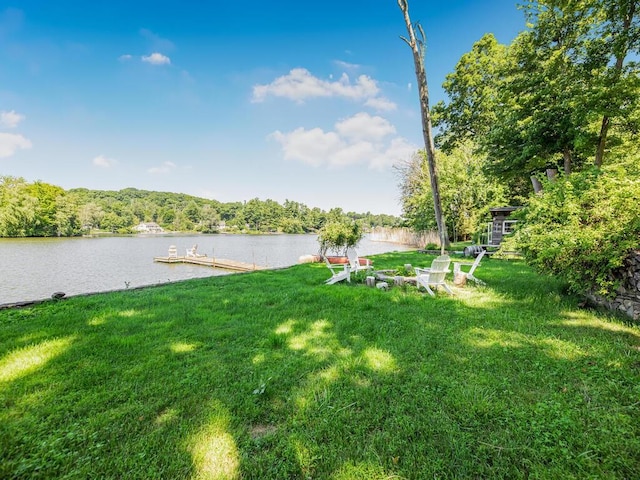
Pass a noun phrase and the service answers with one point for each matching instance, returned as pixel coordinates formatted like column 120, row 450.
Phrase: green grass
column 274, row 375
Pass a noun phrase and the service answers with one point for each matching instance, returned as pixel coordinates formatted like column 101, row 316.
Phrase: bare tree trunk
column 568, row 161
column 537, row 186
column 552, row 174
column 620, row 56
column 602, row 141
column 417, row 47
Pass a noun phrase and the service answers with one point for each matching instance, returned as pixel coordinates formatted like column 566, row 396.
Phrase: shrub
column 338, row 236
column 582, row 228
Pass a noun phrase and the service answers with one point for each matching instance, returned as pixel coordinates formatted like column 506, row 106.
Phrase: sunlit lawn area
column 274, row 375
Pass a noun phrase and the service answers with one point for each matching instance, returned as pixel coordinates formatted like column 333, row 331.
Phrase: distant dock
column 212, row 262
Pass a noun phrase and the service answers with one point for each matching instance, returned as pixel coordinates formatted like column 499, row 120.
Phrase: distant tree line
column 40, row 209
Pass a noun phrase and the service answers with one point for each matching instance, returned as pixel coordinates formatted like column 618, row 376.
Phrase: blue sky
column 311, row 101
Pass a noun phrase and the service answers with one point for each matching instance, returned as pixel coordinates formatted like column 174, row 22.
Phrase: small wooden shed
column 501, row 225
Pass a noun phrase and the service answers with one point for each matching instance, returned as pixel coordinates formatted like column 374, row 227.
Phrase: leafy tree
column 229, row 211
column 111, row 222
column 166, row 216
column 142, row 210
column 554, row 96
column 254, row 214
column 17, row 209
column 291, row 225
column 415, row 194
column 67, row 218
column 473, row 94
column 182, row 223
column 192, row 212
column 28, row 210
column 209, row 219
column 294, row 209
column 272, row 212
column 338, row 236
column 467, row 192
column 596, row 38
column 314, row 219
column 91, row 215
column 46, row 197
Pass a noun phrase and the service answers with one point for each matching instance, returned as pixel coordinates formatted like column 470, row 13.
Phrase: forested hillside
column 39, row 209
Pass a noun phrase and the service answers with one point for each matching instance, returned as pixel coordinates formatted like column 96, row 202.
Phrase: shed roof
column 503, row 209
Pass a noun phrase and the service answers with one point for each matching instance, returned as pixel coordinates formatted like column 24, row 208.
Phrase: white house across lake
column 148, row 227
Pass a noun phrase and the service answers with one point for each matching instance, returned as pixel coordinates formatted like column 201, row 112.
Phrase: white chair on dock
column 192, row 252
column 173, row 251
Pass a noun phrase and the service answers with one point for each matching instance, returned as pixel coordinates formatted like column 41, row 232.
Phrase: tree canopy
column 565, row 90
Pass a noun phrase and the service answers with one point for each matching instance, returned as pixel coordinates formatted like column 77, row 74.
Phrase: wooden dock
column 212, row 262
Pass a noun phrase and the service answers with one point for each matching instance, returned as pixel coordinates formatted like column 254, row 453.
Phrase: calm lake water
column 34, row 268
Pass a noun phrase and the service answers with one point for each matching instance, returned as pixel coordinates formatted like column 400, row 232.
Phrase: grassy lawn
column 274, row 375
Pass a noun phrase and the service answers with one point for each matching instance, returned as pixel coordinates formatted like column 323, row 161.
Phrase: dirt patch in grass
column 260, row 431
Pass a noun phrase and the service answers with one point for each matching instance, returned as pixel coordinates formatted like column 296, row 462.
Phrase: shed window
column 507, row 226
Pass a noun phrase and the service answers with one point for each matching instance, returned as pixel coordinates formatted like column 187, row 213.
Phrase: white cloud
column 10, row 142
column 11, row 119
column 156, row 59
column 166, row 167
column 126, row 57
column 104, row 162
column 299, row 84
column 381, row 104
column 346, row 65
column 354, row 153
column 363, row 126
column 360, row 139
column 309, row 146
column 399, row 149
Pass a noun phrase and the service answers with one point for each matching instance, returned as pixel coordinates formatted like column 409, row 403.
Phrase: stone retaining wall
column 627, row 299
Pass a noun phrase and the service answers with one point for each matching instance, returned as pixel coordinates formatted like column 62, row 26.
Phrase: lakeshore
column 35, row 268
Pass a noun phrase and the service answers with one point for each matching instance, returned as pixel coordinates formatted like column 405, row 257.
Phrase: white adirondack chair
column 356, row 263
column 457, row 268
column 434, row 276
column 339, row 272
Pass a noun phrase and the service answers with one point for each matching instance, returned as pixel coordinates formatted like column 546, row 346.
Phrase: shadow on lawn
column 180, row 382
